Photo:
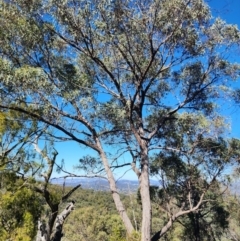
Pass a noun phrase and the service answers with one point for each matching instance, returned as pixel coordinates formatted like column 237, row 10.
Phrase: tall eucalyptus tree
column 114, row 72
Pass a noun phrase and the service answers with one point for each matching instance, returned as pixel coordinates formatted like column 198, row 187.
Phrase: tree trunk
column 196, row 226
column 145, row 196
column 115, row 194
column 42, row 233
column 57, row 236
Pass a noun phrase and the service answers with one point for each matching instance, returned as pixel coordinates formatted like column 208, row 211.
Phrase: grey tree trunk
column 115, row 194
column 42, row 232
column 55, row 234
column 145, row 197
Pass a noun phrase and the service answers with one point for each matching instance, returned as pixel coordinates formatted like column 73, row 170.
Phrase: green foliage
column 189, row 170
column 95, row 218
column 94, row 223
column 20, row 209
column 16, row 154
column 211, row 222
column 232, row 204
column 111, row 53
column 55, row 193
column 120, row 72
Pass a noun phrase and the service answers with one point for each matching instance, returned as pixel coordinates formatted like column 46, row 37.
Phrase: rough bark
column 43, row 231
column 57, row 236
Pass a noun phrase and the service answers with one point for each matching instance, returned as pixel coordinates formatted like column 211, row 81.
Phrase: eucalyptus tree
column 115, row 72
column 193, row 179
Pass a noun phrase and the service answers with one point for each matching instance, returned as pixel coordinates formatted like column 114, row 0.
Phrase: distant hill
column 100, row 184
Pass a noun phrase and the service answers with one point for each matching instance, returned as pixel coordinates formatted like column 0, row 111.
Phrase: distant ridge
column 100, row 184
column 123, row 185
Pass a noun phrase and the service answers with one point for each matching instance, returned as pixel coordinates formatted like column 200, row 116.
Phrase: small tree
column 21, row 206
column 191, row 173
column 53, row 198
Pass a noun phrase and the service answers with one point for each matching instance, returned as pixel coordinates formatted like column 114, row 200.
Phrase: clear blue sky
column 228, row 10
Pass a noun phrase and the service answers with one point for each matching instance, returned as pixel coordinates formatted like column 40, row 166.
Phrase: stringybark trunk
column 115, row 194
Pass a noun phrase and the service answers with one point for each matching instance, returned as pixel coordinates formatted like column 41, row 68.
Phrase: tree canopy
column 116, row 73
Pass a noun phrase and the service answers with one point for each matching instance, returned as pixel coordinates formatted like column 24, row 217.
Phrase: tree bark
column 42, row 233
column 196, row 226
column 57, row 236
column 115, row 194
column 145, row 196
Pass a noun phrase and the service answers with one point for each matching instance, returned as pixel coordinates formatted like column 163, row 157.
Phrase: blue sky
column 228, row 10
